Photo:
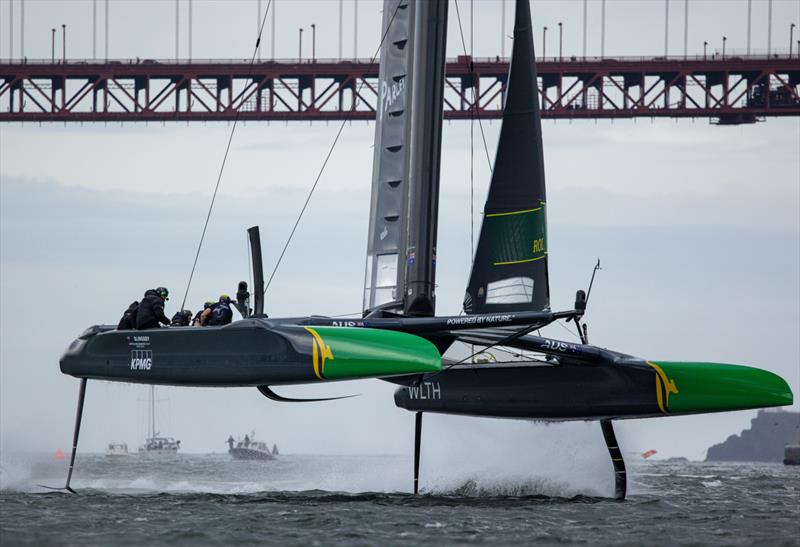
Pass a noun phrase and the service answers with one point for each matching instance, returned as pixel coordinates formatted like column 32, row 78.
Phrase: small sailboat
column 156, row 445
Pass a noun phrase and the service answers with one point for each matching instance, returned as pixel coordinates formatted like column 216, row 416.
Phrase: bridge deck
column 730, row 90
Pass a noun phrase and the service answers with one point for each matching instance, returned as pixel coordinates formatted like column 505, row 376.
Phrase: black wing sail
column 510, row 268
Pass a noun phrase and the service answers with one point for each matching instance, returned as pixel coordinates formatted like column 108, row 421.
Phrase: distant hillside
column 769, row 431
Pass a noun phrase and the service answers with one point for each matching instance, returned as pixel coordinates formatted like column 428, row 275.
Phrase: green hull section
column 687, row 388
column 342, row 353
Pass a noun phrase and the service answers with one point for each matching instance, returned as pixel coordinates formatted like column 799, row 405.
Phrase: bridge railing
column 715, row 55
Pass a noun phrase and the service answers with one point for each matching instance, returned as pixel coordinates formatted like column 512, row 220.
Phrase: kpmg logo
column 141, row 359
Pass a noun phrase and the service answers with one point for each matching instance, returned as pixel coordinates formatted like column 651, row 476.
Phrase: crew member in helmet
column 201, row 317
column 181, row 318
column 151, row 309
column 128, row 321
column 221, row 313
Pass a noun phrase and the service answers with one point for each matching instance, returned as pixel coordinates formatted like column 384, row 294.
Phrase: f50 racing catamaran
column 399, row 338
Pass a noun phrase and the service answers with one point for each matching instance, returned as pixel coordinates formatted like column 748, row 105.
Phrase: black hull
column 544, row 392
column 244, row 353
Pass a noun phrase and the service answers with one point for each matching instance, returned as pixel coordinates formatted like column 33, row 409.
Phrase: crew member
column 151, row 309
column 201, row 317
column 221, row 313
column 230, row 442
column 181, row 319
column 128, row 321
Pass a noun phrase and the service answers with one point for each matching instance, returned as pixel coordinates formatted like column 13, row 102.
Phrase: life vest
column 221, row 314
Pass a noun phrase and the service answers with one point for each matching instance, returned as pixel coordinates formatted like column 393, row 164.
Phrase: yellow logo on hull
column 664, row 386
column 320, row 352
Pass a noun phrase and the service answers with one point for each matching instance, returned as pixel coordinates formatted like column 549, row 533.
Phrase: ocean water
column 364, row 500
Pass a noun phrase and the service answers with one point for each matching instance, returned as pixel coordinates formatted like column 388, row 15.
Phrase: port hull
column 251, row 352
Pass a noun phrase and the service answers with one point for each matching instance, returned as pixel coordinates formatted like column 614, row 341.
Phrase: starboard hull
column 632, row 389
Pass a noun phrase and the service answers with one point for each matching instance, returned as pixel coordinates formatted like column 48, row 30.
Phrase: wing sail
column 388, row 222
column 510, row 268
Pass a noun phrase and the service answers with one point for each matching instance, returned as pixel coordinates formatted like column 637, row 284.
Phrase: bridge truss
column 726, row 90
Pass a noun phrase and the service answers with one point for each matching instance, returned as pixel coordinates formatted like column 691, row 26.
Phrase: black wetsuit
column 151, row 311
column 181, row 319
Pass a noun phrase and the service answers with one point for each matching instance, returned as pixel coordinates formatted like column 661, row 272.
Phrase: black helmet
column 163, row 292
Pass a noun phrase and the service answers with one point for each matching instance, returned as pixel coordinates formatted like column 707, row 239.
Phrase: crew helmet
column 163, row 292
column 224, row 298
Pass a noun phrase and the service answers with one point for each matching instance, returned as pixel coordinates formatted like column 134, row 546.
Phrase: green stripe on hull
column 342, row 353
column 684, row 388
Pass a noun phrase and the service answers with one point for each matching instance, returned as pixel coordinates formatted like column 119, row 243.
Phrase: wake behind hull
column 632, row 389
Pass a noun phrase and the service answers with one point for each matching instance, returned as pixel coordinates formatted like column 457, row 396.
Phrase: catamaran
column 400, row 338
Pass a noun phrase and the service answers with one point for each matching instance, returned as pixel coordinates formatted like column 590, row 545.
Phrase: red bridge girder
column 731, row 90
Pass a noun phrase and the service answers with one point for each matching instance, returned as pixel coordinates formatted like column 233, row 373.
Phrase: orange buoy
column 648, row 454
column 59, row 455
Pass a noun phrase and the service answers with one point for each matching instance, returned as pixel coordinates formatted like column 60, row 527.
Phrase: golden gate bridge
column 727, row 87
column 728, row 90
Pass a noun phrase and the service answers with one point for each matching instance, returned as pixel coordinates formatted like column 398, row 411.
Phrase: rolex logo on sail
column 320, row 352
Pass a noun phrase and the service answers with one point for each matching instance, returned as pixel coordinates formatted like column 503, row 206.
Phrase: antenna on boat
column 581, row 301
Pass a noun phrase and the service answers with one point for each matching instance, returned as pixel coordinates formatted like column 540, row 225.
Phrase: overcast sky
column 697, row 227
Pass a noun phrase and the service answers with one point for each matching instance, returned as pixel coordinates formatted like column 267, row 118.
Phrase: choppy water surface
column 199, row 500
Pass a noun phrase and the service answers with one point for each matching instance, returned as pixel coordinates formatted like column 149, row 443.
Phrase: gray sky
column 697, row 227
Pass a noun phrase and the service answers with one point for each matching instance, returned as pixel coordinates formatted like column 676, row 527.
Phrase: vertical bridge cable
column 328, row 156
column 224, row 159
column 472, row 109
column 472, row 76
column 472, row 140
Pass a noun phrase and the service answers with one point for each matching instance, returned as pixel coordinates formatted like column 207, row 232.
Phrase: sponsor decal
column 138, row 341
column 141, row 359
column 390, row 93
column 480, row 319
column 347, row 323
column 425, row 391
column 320, row 352
column 558, row 345
column 384, row 233
column 664, row 386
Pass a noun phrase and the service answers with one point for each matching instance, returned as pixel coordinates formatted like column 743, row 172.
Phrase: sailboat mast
column 401, row 245
column 429, row 35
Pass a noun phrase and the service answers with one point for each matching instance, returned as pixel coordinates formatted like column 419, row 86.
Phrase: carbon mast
column 401, row 250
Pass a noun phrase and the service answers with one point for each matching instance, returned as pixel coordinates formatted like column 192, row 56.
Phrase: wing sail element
column 510, row 268
column 387, row 217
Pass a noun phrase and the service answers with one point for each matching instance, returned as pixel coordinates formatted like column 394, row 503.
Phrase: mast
column 401, row 248
column 425, row 144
